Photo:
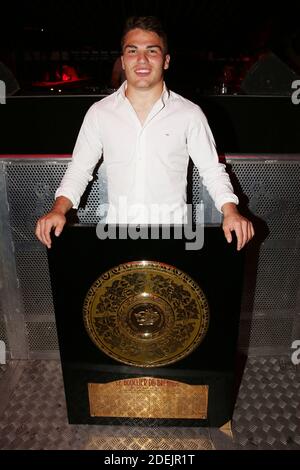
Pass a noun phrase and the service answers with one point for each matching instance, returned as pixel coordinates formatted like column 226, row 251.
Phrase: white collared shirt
column 146, row 164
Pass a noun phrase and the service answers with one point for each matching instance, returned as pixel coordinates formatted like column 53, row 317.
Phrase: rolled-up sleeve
column 202, row 150
column 86, row 154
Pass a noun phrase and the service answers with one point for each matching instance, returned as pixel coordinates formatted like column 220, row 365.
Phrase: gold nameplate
column 148, row 397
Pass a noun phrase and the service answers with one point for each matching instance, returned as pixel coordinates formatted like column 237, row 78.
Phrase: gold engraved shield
column 146, row 313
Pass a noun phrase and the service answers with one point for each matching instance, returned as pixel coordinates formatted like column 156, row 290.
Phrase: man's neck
column 142, row 97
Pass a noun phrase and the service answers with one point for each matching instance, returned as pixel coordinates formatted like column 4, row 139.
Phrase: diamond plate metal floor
column 267, row 412
column 33, row 414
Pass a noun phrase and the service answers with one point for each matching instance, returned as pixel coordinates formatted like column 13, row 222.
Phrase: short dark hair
column 147, row 23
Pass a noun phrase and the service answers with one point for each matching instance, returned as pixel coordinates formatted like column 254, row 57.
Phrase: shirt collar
column 120, row 93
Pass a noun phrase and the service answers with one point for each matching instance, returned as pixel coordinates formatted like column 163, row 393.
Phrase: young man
column 146, row 134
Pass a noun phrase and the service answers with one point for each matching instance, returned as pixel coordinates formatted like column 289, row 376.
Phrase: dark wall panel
column 241, row 124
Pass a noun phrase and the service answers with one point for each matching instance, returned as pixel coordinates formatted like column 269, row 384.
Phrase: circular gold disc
column 146, row 313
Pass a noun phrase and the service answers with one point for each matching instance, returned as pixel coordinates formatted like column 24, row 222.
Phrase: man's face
column 144, row 60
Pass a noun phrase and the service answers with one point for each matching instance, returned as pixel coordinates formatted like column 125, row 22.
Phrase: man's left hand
column 234, row 222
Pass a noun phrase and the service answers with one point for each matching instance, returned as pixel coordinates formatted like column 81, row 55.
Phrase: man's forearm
column 62, row 205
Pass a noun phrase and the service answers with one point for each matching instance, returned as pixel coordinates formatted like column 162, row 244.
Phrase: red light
column 66, row 77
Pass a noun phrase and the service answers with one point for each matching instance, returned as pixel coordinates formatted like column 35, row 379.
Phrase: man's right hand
column 53, row 220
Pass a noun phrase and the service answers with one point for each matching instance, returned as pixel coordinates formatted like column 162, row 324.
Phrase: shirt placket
column 140, row 190
column 140, row 167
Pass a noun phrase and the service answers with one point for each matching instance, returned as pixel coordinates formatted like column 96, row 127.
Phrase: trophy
column 147, row 329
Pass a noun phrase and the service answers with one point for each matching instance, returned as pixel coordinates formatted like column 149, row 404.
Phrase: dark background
column 206, row 37
column 39, row 36
column 227, row 27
